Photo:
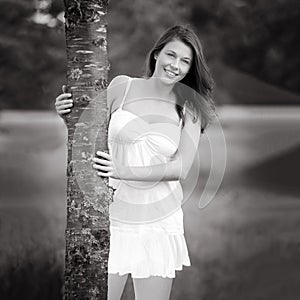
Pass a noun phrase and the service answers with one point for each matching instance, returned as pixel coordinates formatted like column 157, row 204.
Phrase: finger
column 104, row 174
column 102, row 168
column 66, row 101
column 60, row 106
column 63, row 96
column 64, row 111
column 60, row 103
column 102, row 161
column 104, row 154
column 64, row 89
column 64, row 106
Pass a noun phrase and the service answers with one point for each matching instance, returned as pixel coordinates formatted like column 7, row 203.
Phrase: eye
column 170, row 54
column 186, row 62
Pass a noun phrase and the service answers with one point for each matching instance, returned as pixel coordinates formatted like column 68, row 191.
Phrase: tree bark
column 88, row 196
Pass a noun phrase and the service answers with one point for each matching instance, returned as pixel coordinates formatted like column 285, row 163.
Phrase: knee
column 116, row 284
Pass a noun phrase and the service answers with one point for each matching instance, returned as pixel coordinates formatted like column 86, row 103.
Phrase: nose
column 174, row 64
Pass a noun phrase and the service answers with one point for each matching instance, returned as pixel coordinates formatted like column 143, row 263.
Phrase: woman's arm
column 181, row 163
column 176, row 169
column 169, row 171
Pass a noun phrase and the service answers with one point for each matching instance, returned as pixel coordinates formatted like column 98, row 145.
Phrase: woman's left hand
column 104, row 165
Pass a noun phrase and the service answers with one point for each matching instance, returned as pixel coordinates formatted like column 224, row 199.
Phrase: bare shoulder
column 118, row 80
column 116, row 89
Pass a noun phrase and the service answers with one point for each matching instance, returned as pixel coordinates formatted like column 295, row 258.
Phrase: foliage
column 258, row 37
column 130, row 41
column 32, row 57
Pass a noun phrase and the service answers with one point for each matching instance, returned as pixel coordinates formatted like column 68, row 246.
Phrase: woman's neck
column 161, row 89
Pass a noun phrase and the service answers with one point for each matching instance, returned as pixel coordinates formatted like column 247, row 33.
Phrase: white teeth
column 170, row 73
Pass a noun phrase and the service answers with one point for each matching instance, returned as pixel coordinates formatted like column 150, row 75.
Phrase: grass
column 31, row 255
column 244, row 245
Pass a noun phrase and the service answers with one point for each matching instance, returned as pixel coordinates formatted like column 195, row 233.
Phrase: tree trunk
column 88, row 196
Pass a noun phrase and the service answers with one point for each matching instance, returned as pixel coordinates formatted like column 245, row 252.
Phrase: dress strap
column 126, row 91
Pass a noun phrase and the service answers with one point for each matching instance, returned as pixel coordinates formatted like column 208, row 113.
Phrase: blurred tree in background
column 134, row 26
column 32, row 56
column 256, row 37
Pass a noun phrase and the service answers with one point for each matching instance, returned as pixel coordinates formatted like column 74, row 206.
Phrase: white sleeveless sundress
column 146, row 219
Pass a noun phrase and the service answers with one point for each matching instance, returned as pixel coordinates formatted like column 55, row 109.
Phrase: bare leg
column 116, row 284
column 154, row 287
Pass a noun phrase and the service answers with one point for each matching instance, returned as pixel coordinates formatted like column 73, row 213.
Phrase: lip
column 171, row 72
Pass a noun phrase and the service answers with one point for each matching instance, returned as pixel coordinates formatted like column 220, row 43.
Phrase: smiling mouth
column 170, row 73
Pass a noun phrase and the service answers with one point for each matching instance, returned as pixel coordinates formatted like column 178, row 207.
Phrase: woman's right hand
column 63, row 102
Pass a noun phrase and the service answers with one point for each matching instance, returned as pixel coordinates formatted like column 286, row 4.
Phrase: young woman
column 154, row 130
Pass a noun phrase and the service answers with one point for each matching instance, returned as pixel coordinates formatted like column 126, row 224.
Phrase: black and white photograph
column 149, row 150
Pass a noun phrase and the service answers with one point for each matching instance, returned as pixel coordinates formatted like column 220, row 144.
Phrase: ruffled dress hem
column 147, row 253
column 134, row 275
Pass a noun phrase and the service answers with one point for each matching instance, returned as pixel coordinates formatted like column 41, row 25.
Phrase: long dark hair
column 196, row 87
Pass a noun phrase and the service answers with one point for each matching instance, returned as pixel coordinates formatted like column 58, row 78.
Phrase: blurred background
column 246, row 243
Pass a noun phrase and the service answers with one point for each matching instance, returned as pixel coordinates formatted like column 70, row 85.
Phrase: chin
column 169, row 80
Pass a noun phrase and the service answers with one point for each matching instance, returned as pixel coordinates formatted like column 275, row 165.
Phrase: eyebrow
column 176, row 53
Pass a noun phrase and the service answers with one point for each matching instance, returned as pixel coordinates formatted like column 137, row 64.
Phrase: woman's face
column 173, row 62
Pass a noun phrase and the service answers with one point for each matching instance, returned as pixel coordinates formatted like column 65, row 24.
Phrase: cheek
column 165, row 62
column 157, row 65
column 185, row 69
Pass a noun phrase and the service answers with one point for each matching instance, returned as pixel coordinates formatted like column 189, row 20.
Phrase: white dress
column 146, row 219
